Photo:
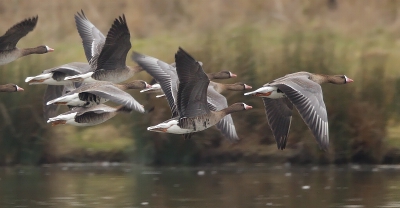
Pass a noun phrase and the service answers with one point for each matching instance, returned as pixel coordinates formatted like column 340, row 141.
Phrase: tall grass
column 258, row 40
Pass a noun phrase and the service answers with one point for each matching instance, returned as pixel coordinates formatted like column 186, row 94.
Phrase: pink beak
column 49, row 49
column 247, row 107
column 247, row 87
column 19, row 88
column 348, row 80
column 148, row 86
column 232, row 74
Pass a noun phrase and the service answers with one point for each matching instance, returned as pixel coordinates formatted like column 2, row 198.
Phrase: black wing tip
column 121, row 20
column 282, row 143
column 30, row 21
column 80, row 15
column 119, row 24
column 182, row 54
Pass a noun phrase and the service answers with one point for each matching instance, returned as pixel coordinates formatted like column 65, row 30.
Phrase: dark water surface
column 113, row 185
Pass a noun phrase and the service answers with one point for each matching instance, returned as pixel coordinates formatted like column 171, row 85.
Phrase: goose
column 92, row 40
column 56, row 75
column 191, row 112
column 167, row 77
column 302, row 90
column 110, row 64
column 80, row 116
column 10, row 88
column 56, row 85
column 238, row 86
column 8, row 42
column 95, row 93
column 55, row 91
column 221, row 75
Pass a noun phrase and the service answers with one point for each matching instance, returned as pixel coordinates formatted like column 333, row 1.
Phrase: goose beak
column 148, row 86
column 247, row 107
column 232, row 74
column 247, row 87
column 49, row 49
column 19, row 88
column 348, row 80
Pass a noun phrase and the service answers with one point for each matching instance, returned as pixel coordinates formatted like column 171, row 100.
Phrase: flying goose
column 8, row 42
column 10, row 88
column 191, row 112
column 95, row 93
column 92, row 40
column 167, row 77
column 238, row 86
column 303, row 90
column 110, row 64
column 56, row 75
column 80, row 116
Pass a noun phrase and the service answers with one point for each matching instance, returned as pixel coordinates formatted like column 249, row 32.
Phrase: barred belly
column 196, row 124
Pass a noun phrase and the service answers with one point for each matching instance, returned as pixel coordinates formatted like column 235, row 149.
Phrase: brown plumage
column 221, row 75
column 10, row 88
column 8, row 50
column 238, row 86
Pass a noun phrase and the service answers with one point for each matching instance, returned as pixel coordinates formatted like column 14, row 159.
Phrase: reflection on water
column 227, row 186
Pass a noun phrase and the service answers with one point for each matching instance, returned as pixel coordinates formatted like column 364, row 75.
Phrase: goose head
column 10, row 88
column 136, row 84
column 221, row 75
column 237, row 107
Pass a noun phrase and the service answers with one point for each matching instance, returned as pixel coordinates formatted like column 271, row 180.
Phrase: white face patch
column 19, row 88
column 49, row 49
column 347, row 80
column 247, row 106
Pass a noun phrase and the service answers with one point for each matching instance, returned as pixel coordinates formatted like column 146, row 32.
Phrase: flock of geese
column 196, row 102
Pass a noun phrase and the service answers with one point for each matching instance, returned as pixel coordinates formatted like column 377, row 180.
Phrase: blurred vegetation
column 258, row 40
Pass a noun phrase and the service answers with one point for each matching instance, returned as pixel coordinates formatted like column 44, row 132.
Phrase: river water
column 261, row 185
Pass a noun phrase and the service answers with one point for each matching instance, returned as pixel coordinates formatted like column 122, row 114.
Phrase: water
column 224, row 186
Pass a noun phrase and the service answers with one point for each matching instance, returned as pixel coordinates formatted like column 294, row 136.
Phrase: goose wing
column 116, row 47
column 307, row 97
column 279, row 116
column 10, row 39
column 116, row 95
column 92, row 39
column 217, row 102
column 164, row 74
column 70, row 69
column 193, row 84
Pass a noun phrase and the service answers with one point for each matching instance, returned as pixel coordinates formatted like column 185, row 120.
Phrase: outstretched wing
column 10, row 39
column 279, row 116
column 216, row 102
column 116, row 95
column 307, row 97
column 193, row 84
column 164, row 74
column 92, row 39
column 116, row 47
